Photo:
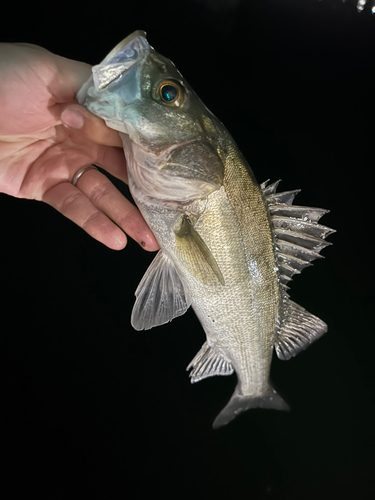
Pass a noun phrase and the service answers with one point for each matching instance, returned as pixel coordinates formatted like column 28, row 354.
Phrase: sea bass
column 228, row 246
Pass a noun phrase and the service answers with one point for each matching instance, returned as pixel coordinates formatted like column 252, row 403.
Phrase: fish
column 229, row 246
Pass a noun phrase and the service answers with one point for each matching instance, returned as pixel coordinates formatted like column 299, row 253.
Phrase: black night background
column 91, row 408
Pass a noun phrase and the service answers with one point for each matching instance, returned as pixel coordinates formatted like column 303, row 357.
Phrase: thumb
column 79, row 119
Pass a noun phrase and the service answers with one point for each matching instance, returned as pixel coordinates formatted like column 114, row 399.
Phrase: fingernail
column 72, row 118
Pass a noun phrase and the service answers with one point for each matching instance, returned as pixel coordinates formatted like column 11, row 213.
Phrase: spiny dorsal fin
column 301, row 225
column 308, row 214
column 208, row 363
column 271, row 189
column 285, row 198
column 299, row 330
column 299, row 238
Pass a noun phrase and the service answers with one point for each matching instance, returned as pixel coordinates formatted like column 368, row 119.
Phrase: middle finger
column 108, row 199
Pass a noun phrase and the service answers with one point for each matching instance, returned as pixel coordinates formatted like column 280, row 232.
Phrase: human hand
column 46, row 137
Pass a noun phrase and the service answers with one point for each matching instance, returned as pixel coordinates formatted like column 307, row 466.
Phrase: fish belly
column 239, row 317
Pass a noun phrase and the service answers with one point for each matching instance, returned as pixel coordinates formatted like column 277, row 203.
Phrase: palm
column 46, row 152
column 39, row 156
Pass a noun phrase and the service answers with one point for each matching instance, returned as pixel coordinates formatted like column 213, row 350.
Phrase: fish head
column 171, row 152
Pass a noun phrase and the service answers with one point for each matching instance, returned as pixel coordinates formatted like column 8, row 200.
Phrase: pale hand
column 46, row 137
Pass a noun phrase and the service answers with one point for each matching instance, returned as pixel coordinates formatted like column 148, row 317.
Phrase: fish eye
column 170, row 93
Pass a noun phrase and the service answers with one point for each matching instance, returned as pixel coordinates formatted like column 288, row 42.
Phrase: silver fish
column 229, row 246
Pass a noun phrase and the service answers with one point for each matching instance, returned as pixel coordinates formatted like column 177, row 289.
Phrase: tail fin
column 238, row 404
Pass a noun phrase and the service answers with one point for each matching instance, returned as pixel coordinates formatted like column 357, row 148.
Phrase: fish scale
column 229, row 247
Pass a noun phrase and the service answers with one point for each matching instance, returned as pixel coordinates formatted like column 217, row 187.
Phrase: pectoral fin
column 161, row 295
column 195, row 253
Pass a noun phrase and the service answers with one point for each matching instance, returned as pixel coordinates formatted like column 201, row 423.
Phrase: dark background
column 92, row 409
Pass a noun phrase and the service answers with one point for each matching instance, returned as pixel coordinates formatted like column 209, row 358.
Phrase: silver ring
column 80, row 172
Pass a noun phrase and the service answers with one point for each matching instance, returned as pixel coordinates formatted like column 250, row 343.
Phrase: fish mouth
column 128, row 54
column 126, row 57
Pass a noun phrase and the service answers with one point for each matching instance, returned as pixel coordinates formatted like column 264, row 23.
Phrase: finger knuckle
column 69, row 201
column 92, row 220
column 126, row 220
column 100, row 192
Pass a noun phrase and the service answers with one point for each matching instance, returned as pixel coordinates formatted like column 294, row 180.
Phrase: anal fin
column 208, row 363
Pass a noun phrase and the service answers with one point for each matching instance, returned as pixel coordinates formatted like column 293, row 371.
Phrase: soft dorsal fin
column 161, row 295
column 208, row 363
column 299, row 237
column 299, row 329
